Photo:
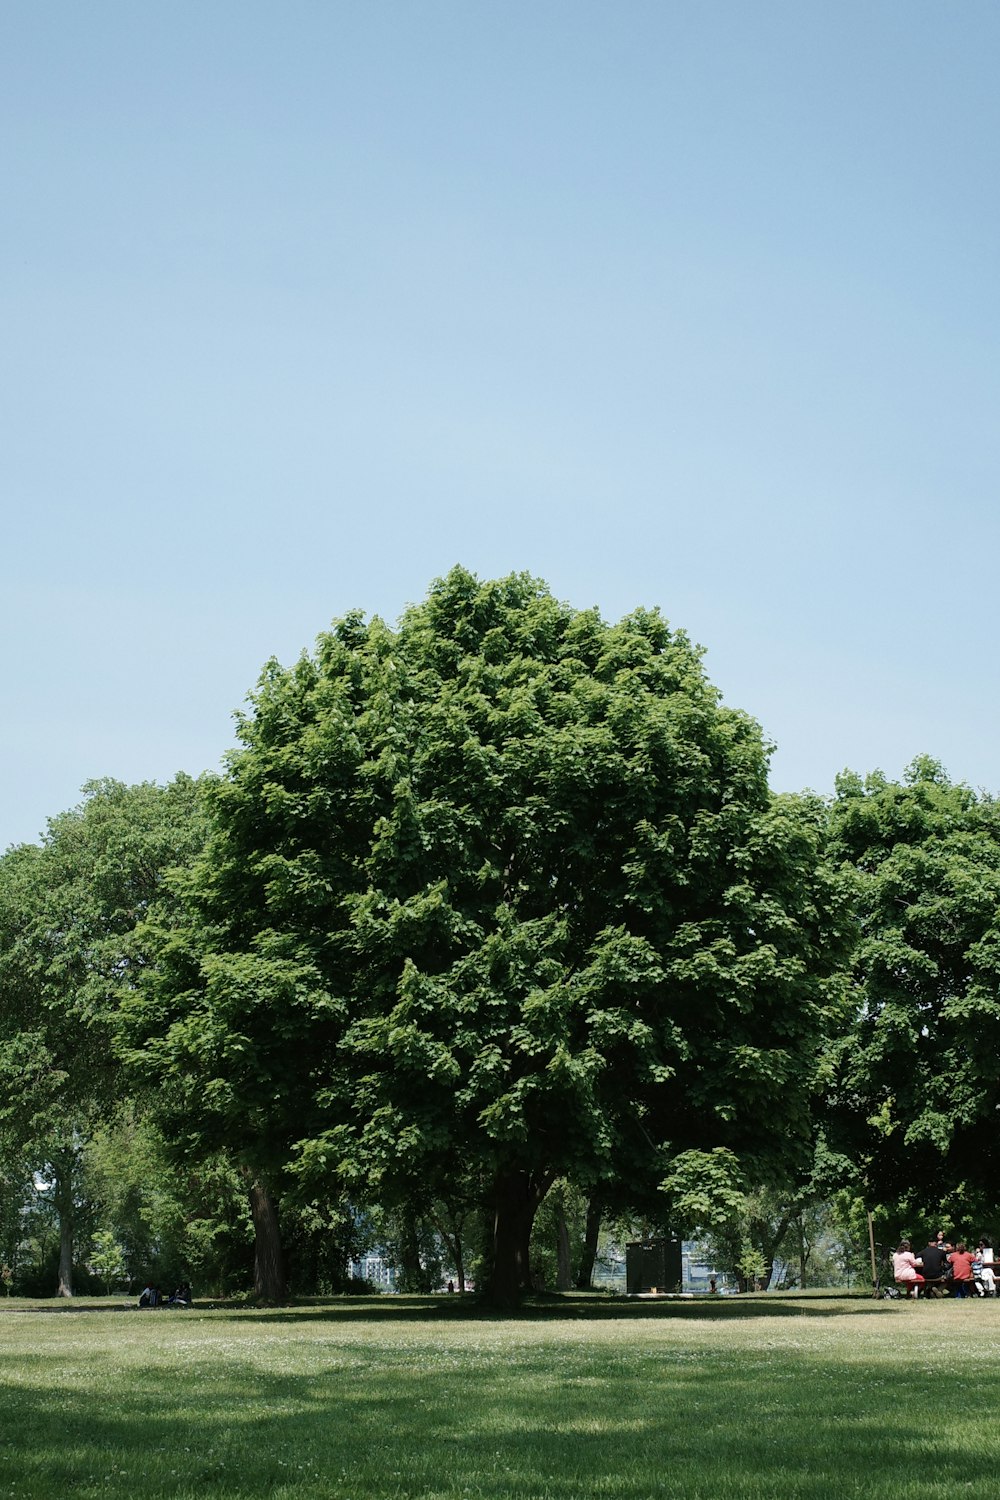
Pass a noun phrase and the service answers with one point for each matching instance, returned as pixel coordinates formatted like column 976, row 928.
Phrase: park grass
column 763, row 1398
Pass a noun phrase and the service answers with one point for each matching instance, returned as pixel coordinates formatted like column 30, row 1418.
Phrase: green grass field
column 744, row 1397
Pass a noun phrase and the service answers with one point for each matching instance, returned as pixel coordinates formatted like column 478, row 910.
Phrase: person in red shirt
column 961, row 1270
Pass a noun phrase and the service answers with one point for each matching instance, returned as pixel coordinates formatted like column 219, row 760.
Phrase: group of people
column 943, row 1268
column 151, row 1296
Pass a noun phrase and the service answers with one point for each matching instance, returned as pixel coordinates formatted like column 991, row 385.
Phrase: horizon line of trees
column 491, row 933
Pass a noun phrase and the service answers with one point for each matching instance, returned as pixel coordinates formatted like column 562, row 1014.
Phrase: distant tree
column 918, row 1090
column 174, row 1220
column 460, row 1229
column 108, row 1260
column 741, row 1221
column 69, row 908
column 591, row 1241
column 16, row 1188
column 557, row 1241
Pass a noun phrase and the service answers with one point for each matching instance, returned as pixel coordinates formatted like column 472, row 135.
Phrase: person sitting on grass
column 904, row 1269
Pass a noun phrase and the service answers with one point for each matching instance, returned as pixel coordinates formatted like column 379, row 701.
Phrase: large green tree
column 919, row 1080
column 498, row 896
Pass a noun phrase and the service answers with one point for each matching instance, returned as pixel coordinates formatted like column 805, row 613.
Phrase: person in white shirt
column 986, row 1273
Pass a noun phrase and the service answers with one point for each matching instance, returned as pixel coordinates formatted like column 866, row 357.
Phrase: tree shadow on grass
column 372, row 1421
column 450, row 1309
column 558, row 1309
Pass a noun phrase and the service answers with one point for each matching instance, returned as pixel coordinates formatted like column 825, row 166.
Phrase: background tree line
column 490, row 923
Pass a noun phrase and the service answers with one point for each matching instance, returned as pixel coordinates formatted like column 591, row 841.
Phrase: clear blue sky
column 692, row 304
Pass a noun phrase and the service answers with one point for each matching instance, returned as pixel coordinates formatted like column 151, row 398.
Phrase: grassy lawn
column 745, row 1397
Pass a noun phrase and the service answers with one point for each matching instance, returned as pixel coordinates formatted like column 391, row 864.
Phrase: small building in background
column 376, row 1271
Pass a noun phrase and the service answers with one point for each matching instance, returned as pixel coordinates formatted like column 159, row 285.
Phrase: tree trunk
column 412, row 1276
column 453, row 1242
column 564, row 1273
column 590, row 1243
column 66, row 1255
column 62, row 1198
column 515, row 1202
column 768, row 1240
column 802, row 1255
column 269, row 1261
column 459, row 1262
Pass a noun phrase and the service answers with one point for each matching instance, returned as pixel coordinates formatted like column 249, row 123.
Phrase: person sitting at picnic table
column 961, row 1270
column 934, row 1259
column 986, row 1273
column 904, row 1268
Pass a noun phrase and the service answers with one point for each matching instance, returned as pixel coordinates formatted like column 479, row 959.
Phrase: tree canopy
column 69, row 908
column 499, row 895
column 919, row 1086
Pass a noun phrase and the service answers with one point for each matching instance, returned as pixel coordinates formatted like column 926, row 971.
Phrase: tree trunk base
column 269, row 1261
column 516, row 1196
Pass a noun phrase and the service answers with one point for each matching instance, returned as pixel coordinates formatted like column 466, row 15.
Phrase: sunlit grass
column 397, row 1397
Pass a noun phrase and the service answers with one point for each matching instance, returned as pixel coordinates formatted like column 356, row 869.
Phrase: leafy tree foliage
column 15, row 1189
column 503, row 887
column 919, row 1086
column 108, row 1260
column 69, row 908
column 173, row 1222
column 766, row 1229
column 557, row 1238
